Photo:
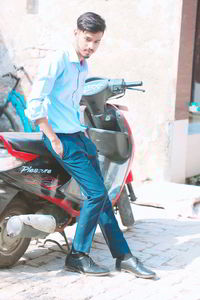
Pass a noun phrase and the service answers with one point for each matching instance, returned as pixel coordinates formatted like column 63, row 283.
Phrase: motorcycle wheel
column 125, row 209
column 8, row 121
column 11, row 249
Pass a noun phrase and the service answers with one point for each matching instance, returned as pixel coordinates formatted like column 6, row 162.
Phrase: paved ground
column 164, row 241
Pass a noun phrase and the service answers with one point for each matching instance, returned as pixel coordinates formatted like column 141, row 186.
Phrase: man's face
column 86, row 42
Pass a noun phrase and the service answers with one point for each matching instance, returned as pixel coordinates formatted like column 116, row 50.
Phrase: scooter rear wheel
column 11, row 249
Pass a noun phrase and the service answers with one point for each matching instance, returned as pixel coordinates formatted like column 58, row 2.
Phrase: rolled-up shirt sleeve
column 49, row 71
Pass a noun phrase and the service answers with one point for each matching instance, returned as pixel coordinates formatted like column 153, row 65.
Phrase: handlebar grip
column 10, row 75
column 18, row 78
column 18, row 68
column 133, row 84
column 6, row 75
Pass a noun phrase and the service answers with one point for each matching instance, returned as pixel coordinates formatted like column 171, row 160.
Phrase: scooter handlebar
column 133, row 84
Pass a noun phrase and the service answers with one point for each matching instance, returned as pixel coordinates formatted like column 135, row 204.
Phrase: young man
column 54, row 106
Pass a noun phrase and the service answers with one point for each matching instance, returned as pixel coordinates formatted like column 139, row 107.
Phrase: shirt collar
column 73, row 56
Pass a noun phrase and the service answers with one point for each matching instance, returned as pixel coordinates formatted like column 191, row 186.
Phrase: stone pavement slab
column 165, row 242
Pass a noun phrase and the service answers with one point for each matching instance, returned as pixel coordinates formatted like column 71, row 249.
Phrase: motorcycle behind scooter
column 38, row 197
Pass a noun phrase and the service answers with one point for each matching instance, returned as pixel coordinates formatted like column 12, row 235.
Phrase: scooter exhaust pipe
column 32, row 225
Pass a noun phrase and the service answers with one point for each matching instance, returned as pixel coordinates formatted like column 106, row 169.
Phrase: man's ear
column 75, row 32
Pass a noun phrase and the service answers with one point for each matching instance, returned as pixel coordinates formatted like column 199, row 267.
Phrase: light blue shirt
column 57, row 92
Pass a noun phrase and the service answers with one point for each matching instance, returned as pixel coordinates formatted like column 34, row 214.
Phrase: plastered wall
column 141, row 43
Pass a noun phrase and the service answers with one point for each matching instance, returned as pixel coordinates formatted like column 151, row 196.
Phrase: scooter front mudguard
column 7, row 193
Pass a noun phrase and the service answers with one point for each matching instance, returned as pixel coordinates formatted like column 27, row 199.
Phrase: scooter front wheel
column 11, row 249
column 125, row 209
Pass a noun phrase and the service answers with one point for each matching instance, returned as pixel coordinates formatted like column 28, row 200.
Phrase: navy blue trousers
column 80, row 161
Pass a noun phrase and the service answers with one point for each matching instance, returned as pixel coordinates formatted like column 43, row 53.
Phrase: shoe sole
column 137, row 275
column 85, row 273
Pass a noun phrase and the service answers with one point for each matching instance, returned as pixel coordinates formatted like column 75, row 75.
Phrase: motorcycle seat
column 27, row 142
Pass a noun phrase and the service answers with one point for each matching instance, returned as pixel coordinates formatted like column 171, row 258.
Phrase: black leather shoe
column 133, row 265
column 84, row 264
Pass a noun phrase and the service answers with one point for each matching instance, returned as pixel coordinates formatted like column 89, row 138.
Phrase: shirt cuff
column 37, row 109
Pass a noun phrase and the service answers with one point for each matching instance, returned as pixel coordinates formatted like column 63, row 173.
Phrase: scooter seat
column 27, row 142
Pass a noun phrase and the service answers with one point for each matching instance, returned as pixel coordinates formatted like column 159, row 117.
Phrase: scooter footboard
column 113, row 145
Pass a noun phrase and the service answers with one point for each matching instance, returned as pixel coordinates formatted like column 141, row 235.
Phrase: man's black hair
column 91, row 22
